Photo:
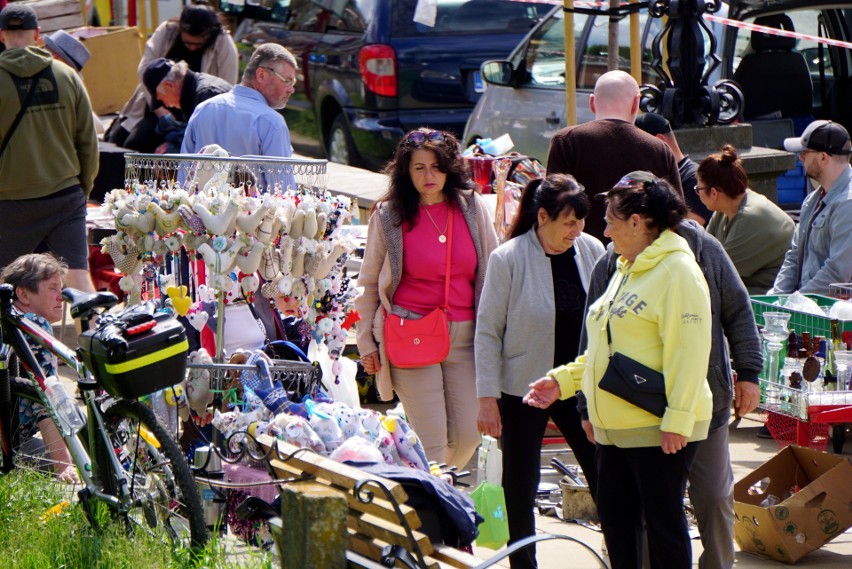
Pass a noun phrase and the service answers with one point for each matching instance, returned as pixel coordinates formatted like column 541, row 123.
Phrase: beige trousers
column 440, row 400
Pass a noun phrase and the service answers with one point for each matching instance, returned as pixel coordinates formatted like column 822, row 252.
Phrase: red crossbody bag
column 425, row 341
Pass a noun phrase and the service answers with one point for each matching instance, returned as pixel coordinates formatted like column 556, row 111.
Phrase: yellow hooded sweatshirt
column 658, row 308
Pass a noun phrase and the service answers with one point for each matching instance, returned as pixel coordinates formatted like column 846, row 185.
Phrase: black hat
column 17, row 16
column 154, row 74
column 653, row 124
column 822, row 136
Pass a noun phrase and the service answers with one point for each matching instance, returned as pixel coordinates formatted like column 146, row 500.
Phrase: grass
column 66, row 540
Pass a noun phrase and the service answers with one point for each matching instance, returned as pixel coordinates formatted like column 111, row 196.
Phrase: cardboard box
column 816, row 512
column 110, row 75
column 577, row 502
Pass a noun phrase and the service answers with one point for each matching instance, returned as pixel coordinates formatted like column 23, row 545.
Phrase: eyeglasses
column 287, row 82
column 699, row 189
column 418, row 137
column 191, row 41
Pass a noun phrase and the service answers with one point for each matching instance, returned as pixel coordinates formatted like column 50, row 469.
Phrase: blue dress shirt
column 242, row 123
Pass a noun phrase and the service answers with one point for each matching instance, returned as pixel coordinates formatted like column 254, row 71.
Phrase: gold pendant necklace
column 442, row 237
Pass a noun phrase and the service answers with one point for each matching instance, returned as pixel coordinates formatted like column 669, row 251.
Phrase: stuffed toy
column 198, row 394
column 325, row 426
column 407, row 443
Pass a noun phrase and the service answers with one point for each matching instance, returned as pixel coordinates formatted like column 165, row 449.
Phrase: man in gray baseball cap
column 821, row 136
column 821, row 250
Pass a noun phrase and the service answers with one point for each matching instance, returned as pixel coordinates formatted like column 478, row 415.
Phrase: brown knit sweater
column 600, row 152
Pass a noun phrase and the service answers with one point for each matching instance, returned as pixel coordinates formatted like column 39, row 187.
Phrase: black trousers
column 644, row 484
column 144, row 137
column 523, row 431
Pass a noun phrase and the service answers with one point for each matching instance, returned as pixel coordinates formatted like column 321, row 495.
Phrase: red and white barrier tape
column 777, row 32
column 720, row 20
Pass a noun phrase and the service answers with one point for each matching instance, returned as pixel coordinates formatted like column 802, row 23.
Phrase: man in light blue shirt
column 245, row 120
column 821, row 250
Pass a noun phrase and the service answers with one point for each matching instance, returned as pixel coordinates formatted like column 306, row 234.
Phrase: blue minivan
column 369, row 72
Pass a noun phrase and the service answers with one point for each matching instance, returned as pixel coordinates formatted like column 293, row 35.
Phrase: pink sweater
column 424, row 260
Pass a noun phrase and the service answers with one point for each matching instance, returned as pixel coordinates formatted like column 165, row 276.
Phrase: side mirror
column 498, row 73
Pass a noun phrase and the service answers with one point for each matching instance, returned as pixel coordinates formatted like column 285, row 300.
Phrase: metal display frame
column 309, row 174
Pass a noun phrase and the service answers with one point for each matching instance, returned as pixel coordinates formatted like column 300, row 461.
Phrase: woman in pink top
column 403, row 273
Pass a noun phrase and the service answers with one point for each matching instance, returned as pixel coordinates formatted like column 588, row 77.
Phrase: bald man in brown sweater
column 600, row 152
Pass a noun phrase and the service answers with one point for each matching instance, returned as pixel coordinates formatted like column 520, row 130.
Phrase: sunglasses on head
column 418, row 137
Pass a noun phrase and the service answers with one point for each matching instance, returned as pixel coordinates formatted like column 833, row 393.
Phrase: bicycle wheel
column 165, row 499
column 29, row 449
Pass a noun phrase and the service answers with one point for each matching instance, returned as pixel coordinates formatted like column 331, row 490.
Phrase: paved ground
column 747, row 452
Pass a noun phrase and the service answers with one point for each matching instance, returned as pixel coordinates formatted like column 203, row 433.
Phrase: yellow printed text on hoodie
column 658, row 309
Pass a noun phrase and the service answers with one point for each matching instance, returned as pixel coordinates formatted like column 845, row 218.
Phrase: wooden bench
column 382, row 530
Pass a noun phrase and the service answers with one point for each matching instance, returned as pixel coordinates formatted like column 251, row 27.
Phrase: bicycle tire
column 29, row 451
column 166, row 500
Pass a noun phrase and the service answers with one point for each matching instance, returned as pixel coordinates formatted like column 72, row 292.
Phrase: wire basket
column 298, row 378
column 840, row 291
column 783, row 400
column 786, row 430
column 194, row 170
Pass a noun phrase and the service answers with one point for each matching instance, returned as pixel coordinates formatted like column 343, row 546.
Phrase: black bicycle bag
column 151, row 357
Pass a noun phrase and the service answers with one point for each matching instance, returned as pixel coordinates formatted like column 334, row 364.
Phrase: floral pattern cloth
column 30, row 412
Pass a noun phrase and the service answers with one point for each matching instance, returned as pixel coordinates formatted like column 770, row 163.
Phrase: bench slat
column 378, row 507
column 373, row 549
column 377, row 528
column 453, row 557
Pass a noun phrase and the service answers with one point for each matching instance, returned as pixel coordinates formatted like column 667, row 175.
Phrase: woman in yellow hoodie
column 656, row 311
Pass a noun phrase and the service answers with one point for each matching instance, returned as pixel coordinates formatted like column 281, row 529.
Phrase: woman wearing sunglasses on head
column 428, row 220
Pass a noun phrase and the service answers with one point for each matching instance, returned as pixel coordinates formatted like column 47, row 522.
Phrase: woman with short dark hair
column 655, row 315
column 530, row 319
column 403, row 274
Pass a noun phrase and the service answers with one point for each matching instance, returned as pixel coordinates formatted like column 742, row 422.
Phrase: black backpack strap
column 24, row 106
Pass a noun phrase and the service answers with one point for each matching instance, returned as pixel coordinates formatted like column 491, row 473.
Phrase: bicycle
column 124, row 456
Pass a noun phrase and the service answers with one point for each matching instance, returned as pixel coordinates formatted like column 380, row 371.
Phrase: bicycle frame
column 15, row 330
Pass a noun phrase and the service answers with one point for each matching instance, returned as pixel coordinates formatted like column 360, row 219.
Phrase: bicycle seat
column 84, row 303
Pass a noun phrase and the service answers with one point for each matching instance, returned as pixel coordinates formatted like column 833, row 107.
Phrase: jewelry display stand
column 197, row 231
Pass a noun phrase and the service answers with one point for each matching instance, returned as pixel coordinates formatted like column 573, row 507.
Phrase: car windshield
column 469, row 16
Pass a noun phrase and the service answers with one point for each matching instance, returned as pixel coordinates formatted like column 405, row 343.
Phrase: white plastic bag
column 489, row 462
column 801, row 303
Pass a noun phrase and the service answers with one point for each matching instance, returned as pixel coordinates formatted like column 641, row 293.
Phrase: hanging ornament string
column 442, row 235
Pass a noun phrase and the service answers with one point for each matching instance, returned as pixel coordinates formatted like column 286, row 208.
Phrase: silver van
column 525, row 95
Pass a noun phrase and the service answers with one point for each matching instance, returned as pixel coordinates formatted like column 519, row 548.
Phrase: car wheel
column 340, row 146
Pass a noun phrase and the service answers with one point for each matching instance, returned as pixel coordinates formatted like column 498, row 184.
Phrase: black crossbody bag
column 636, row 383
